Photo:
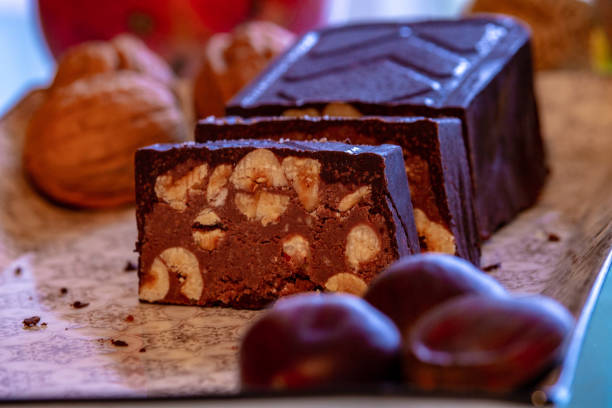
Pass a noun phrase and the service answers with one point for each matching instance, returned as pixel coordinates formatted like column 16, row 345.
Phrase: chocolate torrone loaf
column 477, row 69
column 435, row 162
column 240, row 223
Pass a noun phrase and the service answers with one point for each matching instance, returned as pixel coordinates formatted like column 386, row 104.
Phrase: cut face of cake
column 434, row 159
column 241, row 223
column 476, row 69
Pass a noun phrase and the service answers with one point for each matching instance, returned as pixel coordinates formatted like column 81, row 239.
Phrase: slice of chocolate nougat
column 241, row 223
column 435, row 161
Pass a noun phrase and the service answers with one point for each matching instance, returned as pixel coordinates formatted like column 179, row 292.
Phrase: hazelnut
column 80, row 142
column 297, row 249
column 349, row 200
column 178, row 260
column 207, row 239
column 300, row 113
column 362, row 245
column 258, row 167
column 346, row 282
column 341, row 109
column 233, row 60
column 154, row 285
column 437, row 238
column 304, row 176
column 207, row 217
column 175, row 192
column 262, row 206
column 216, row 192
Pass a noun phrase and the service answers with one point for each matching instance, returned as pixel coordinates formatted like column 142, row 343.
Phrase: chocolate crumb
column 492, row 267
column 31, row 321
column 119, row 343
column 129, row 318
column 130, row 266
column 142, row 350
column 18, row 271
column 63, row 291
column 79, row 305
column 554, row 237
column 43, row 324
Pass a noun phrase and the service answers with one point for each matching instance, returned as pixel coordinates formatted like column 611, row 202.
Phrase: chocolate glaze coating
column 433, row 152
column 248, row 268
column 477, row 69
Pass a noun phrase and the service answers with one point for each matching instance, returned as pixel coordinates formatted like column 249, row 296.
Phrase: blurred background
column 569, row 33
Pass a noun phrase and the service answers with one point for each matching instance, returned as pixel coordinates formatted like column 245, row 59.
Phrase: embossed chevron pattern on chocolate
column 416, row 62
column 477, row 69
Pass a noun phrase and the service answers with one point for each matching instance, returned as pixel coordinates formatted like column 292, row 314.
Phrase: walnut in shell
column 233, row 59
column 124, row 52
column 81, row 141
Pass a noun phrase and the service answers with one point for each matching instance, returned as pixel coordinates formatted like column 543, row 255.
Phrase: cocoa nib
column 129, row 318
column 119, row 343
column 554, row 237
column 142, row 350
column 79, row 305
column 31, row 321
column 130, row 266
column 63, row 291
column 18, row 271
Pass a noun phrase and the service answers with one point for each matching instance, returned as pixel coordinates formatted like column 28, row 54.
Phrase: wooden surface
column 192, row 350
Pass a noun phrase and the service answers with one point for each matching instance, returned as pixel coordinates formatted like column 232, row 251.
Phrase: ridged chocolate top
column 441, row 63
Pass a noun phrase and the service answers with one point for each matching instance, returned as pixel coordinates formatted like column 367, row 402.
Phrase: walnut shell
column 233, row 60
column 124, row 52
column 81, row 141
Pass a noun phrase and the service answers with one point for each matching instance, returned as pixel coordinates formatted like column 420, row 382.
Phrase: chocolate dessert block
column 435, row 161
column 240, row 223
column 477, row 69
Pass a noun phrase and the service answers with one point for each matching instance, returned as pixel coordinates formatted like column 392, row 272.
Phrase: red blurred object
column 175, row 29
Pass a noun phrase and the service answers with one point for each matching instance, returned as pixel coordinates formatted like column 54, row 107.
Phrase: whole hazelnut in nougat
column 489, row 344
column 410, row 287
column 232, row 60
column 319, row 340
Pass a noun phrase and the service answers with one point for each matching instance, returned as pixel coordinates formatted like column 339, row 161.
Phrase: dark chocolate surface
column 478, row 69
column 248, row 268
column 433, row 151
column 436, row 64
